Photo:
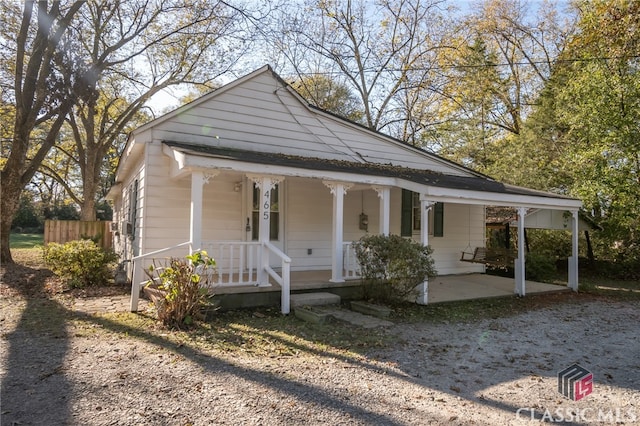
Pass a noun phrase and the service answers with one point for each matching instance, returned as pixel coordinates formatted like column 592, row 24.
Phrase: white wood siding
column 458, row 218
column 260, row 115
column 309, row 222
column 307, row 216
column 125, row 246
column 464, row 228
column 169, row 206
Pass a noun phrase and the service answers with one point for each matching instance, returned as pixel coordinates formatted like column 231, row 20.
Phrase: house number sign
column 267, row 205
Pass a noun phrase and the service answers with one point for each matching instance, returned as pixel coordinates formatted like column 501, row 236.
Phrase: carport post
column 573, row 260
column 520, row 261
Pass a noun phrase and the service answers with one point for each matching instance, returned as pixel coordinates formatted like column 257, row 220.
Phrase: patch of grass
column 473, row 310
column 618, row 289
column 125, row 323
column 31, row 257
column 259, row 333
column 25, row 241
column 268, row 333
column 44, row 317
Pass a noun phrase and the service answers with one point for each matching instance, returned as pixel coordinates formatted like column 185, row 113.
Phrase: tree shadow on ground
column 34, row 380
column 35, row 369
column 36, row 390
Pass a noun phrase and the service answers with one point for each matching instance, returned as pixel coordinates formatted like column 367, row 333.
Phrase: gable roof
column 261, row 112
column 259, row 119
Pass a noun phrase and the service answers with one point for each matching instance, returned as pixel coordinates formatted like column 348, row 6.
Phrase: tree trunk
column 90, row 181
column 592, row 259
column 88, row 210
column 89, row 185
column 9, row 203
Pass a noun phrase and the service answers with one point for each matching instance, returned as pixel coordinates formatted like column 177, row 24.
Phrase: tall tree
column 330, row 95
column 380, row 49
column 503, row 57
column 601, row 112
column 41, row 94
column 102, row 60
column 180, row 45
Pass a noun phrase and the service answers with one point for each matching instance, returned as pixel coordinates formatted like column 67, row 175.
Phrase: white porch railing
column 237, row 264
column 285, row 279
column 350, row 265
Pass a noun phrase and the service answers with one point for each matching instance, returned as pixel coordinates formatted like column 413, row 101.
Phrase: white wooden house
column 270, row 185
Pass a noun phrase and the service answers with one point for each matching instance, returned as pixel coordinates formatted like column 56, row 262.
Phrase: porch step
column 322, row 314
column 356, row 318
column 314, row 299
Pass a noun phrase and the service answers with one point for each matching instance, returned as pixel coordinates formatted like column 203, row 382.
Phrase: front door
column 276, row 232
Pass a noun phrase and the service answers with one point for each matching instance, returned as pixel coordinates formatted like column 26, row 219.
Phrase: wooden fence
column 61, row 231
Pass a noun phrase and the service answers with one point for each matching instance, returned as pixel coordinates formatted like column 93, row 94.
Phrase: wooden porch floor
column 441, row 289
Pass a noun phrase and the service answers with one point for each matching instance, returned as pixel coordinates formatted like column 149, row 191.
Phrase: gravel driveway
column 490, row 372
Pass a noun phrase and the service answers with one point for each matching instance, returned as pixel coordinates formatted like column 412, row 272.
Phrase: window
column 133, row 208
column 274, row 216
column 410, row 220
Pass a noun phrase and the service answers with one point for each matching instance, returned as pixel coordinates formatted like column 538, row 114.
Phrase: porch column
column 573, row 260
column 384, row 193
column 425, row 206
column 520, row 261
column 265, row 184
column 198, row 179
column 339, row 190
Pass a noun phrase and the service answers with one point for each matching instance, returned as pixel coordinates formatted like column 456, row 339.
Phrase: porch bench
column 493, row 257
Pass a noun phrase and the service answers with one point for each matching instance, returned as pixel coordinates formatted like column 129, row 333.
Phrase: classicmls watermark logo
column 575, row 382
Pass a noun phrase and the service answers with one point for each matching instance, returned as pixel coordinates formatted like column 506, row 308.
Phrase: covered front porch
column 262, row 227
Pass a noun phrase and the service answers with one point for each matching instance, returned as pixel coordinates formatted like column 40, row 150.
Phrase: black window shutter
column 407, row 210
column 438, row 220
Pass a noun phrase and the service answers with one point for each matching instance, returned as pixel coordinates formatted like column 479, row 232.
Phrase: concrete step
column 325, row 313
column 356, row 318
column 314, row 299
column 377, row 311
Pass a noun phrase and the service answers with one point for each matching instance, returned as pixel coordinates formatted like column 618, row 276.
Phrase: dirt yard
column 63, row 367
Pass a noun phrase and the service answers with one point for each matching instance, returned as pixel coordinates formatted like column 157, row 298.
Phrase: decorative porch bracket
column 384, row 193
column 519, row 263
column 425, row 206
column 198, row 180
column 265, row 184
column 339, row 190
column 573, row 260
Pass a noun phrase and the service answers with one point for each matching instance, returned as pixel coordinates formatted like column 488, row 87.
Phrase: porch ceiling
column 440, row 186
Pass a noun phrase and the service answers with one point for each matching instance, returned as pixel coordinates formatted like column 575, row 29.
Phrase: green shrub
column 81, row 262
column 184, row 283
column 539, row 267
column 392, row 266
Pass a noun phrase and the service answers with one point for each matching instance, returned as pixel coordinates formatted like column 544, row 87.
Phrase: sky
column 169, row 99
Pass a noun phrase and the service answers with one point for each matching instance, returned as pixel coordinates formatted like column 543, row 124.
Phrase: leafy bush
column 81, row 262
column 184, row 282
column 392, row 266
column 27, row 217
column 551, row 243
column 539, row 267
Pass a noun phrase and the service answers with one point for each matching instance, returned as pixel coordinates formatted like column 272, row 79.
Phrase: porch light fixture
column 364, row 222
column 364, row 219
column 237, row 186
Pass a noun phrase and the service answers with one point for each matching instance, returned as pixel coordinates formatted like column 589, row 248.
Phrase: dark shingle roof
column 424, row 177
